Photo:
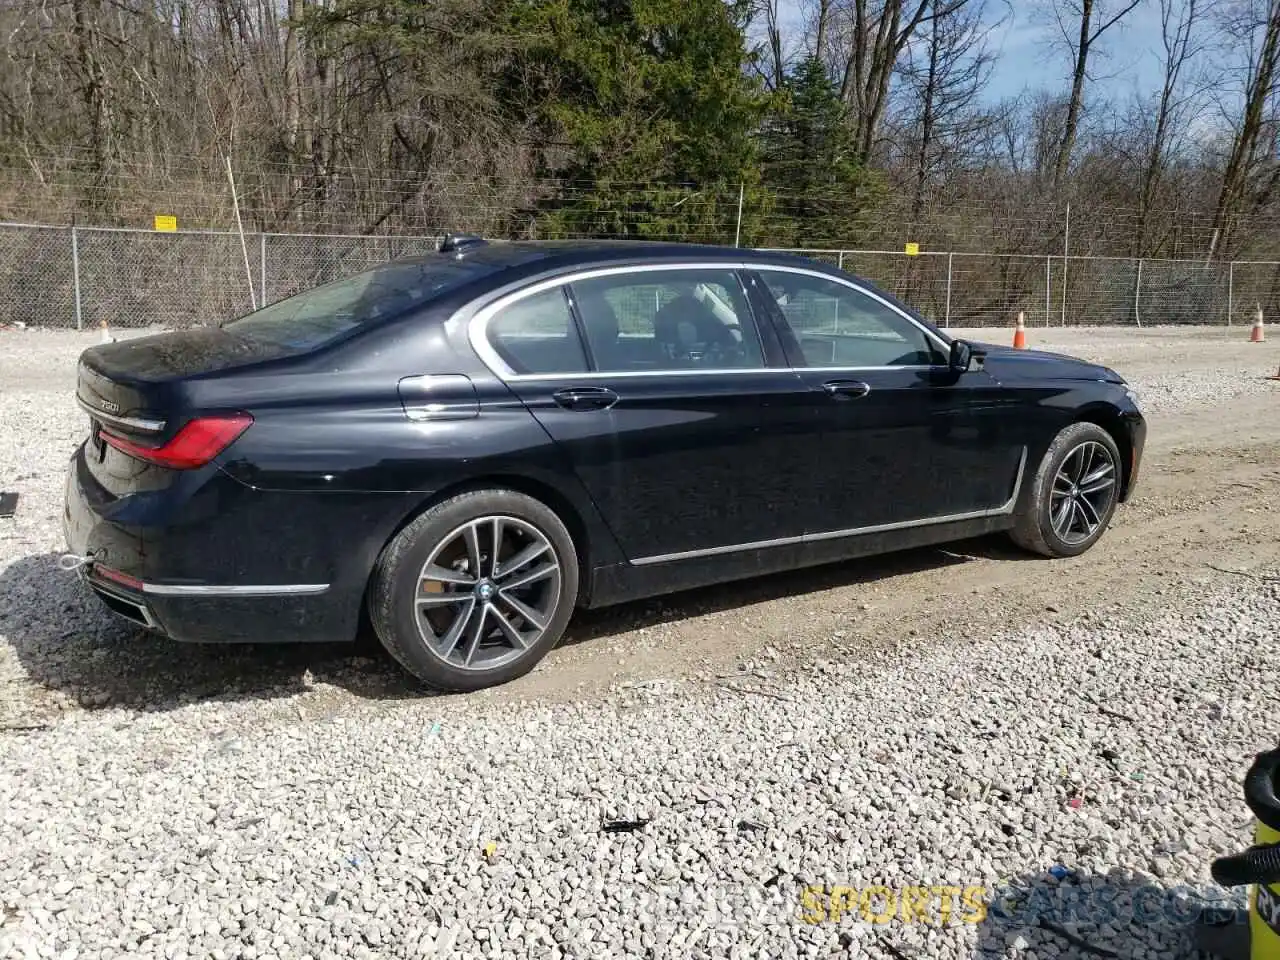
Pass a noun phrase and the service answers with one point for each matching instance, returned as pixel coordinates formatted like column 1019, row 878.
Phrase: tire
column 423, row 582
column 1082, row 450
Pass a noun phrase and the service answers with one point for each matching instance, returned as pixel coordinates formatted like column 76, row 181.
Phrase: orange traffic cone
column 1020, row 333
column 1258, row 333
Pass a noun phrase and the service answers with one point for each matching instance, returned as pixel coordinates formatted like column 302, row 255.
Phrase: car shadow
column 66, row 641
column 1119, row 914
column 607, row 621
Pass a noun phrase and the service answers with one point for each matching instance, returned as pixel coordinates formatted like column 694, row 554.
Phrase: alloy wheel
column 1083, row 491
column 487, row 592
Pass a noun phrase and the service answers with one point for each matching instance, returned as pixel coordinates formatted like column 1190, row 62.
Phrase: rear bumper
column 215, row 561
column 209, row 613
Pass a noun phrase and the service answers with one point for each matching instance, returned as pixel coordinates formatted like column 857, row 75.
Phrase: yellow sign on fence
column 913, row 249
column 166, row 223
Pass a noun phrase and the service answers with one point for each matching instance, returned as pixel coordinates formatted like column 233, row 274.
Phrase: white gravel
column 178, row 834
column 153, row 806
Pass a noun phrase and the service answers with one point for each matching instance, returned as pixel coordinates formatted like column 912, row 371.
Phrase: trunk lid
column 164, row 357
column 134, row 389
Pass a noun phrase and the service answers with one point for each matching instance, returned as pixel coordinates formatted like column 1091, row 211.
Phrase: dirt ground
column 1208, row 494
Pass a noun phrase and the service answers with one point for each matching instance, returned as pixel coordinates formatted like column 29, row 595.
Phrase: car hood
column 1006, row 363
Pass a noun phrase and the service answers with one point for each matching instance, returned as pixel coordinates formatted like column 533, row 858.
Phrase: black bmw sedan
column 466, row 446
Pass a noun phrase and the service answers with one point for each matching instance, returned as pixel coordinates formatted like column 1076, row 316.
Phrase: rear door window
column 537, row 335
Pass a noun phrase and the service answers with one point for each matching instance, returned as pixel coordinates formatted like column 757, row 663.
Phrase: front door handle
column 585, row 398
column 850, row 389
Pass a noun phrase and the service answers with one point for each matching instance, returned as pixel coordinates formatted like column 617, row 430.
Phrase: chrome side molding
column 236, row 590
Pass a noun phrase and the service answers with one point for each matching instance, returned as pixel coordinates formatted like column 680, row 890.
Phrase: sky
column 1126, row 61
column 1026, row 61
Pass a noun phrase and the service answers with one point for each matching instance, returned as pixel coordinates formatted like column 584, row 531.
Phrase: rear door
column 686, row 427
column 902, row 440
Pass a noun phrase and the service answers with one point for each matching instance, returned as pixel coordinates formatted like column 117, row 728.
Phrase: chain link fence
column 37, row 276
column 80, row 277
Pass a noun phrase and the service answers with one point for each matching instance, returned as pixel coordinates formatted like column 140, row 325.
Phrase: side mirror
column 961, row 357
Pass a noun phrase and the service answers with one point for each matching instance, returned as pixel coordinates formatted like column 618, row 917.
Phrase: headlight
column 1133, row 397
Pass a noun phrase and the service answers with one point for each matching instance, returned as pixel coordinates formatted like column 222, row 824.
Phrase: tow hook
column 74, row 561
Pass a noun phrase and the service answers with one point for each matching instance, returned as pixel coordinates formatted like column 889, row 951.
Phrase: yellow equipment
column 1259, row 866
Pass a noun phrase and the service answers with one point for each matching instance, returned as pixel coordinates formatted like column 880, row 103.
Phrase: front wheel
column 1073, row 495
column 476, row 590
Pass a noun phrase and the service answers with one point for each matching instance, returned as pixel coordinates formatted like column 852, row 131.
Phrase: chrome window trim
column 640, row 374
column 477, row 326
column 694, row 371
column 853, row 285
column 1003, row 510
column 237, row 590
column 130, row 423
column 905, row 366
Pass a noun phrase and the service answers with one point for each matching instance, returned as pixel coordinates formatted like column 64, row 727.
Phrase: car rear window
column 314, row 317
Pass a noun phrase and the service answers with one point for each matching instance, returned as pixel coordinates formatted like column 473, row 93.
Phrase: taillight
column 198, row 442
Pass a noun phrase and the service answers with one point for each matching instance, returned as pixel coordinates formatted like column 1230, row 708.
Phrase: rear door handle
column 851, row 389
column 585, row 398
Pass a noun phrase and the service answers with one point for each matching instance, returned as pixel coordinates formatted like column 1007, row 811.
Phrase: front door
column 656, row 385
column 902, row 441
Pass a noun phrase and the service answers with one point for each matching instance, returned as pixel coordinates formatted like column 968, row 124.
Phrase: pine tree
column 809, row 161
column 653, row 110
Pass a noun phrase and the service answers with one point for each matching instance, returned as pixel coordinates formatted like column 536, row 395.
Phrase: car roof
column 551, row 253
column 521, row 259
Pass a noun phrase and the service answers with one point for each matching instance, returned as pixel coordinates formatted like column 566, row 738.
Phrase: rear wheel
column 1073, row 494
column 476, row 590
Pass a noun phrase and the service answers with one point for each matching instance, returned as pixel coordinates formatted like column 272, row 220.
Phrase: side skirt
column 623, row 582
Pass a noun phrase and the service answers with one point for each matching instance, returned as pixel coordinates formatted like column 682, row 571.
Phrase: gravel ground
column 1068, row 737
column 987, row 764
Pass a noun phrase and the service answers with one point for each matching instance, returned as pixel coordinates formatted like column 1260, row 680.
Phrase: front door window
column 835, row 325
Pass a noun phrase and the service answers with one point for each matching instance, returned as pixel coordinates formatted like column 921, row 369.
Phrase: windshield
column 314, row 317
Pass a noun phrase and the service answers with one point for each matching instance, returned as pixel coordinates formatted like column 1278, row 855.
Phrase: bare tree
column 401, row 116
column 943, row 76
column 94, row 86
column 1080, row 25
column 1180, row 44
column 770, row 56
column 1030, row 130
column 821, row 26
column 864, row 40
column 1253, row 28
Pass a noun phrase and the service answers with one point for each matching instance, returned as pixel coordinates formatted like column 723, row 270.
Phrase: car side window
column 655, row 320
column 537, row 335
column 838, row 326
